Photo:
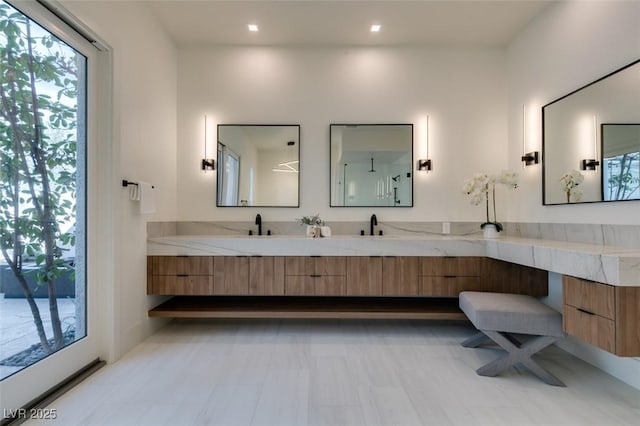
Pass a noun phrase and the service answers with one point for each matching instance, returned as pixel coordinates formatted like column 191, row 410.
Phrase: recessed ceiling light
column 253, row 28
column 375, row 28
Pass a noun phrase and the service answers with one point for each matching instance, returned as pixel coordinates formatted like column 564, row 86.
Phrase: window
column 42, row 199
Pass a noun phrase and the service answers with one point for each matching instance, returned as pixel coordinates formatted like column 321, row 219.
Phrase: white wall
column 143, row 146
column 570, row 45
column 462, row 91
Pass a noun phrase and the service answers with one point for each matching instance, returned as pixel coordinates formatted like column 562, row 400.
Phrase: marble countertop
column 612, row 265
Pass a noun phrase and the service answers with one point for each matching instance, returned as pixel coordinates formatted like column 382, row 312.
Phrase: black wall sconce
column 589, row 164
column 208, row 164
column 592, row 163
column 530, row 158
column 424, row 165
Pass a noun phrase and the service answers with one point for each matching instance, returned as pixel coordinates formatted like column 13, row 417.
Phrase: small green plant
column 311, row 220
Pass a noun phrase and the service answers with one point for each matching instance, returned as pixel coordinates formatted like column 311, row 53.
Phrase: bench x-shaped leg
column 516, row 353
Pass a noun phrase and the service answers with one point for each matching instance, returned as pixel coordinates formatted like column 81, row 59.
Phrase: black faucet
column 259, row 223
column 372, row 223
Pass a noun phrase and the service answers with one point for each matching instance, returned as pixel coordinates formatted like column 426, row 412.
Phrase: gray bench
column 498, row 316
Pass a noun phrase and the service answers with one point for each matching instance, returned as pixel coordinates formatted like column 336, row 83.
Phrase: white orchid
column 570, row 182
column 479, row 186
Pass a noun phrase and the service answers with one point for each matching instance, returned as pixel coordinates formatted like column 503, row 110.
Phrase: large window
column 42, row 199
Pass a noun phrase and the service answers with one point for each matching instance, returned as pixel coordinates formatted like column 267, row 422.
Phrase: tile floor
column 338, row 372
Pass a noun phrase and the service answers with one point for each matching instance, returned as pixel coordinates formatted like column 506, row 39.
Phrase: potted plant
column 481, row 188
column 313, row 223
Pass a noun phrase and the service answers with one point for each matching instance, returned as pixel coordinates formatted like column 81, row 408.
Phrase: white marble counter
column 608, row 264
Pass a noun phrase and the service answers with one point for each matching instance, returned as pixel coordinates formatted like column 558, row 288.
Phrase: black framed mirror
column 371, row 165
column 258, row 165
column 591, row 142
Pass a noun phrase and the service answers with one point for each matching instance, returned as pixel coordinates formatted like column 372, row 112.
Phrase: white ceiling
column 337, row 22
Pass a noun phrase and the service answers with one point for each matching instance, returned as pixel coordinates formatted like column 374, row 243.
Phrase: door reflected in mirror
column 371, row 165
column 620, row 162
column 258, row 165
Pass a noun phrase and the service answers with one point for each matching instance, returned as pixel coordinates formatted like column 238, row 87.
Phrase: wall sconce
column 424, row 165
column 207, row 163
column 589, row 164
column 592, row 163
column 528, row 158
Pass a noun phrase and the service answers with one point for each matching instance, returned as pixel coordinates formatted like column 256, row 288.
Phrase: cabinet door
column 364, row 276
column 593, row 297
column 400, row 276
column 180, row 265
column 459, row 266
column 231, row 275
column 298, row 285
column 328, row 285
column 299, row 265
column 505, row 277
column 187, row 285
column 448, row 286
column 266, row 276
column 591, row 328
column 329, row 265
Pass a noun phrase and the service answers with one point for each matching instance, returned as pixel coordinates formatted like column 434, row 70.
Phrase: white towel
column 147, row 198
column 134, row 192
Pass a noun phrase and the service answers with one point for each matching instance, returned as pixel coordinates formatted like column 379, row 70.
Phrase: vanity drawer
column 180, row 265
column 593, row 297
column 448, row 286
column 604, row 315
column 315, row 285
column 315, row 265
column 594, row 329
column 190, row 285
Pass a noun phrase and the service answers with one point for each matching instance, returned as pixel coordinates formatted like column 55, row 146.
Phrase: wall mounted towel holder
column 126, row 183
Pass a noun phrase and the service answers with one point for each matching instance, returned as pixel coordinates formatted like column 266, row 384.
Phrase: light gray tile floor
column 333, row 372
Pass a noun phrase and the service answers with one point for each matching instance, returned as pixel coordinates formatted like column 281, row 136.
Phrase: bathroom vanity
column 393, row 277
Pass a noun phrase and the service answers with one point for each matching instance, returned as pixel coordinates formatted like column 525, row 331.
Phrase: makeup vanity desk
column 401, row 277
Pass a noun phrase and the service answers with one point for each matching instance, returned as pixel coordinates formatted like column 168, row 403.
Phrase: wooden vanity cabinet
column 185, row 275
column 364, row 276
column 198, row 275
column 400, row 275
column 315, row 275
column 231, row 275
column 338, row 276
column 603, row 315
column 447, row 276
column 266, row 275
column 505, row 277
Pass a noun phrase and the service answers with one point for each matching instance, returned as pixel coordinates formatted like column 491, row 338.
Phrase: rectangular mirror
column 582, row 137
column 371, row 165
column 258, row 165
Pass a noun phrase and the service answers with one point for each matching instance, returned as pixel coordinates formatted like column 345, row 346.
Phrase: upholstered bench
column 498, row 316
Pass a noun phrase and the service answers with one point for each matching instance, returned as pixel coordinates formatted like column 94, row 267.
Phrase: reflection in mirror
column 620, row 161
column 371, row 165
column 583, row 126
column 258, row 165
